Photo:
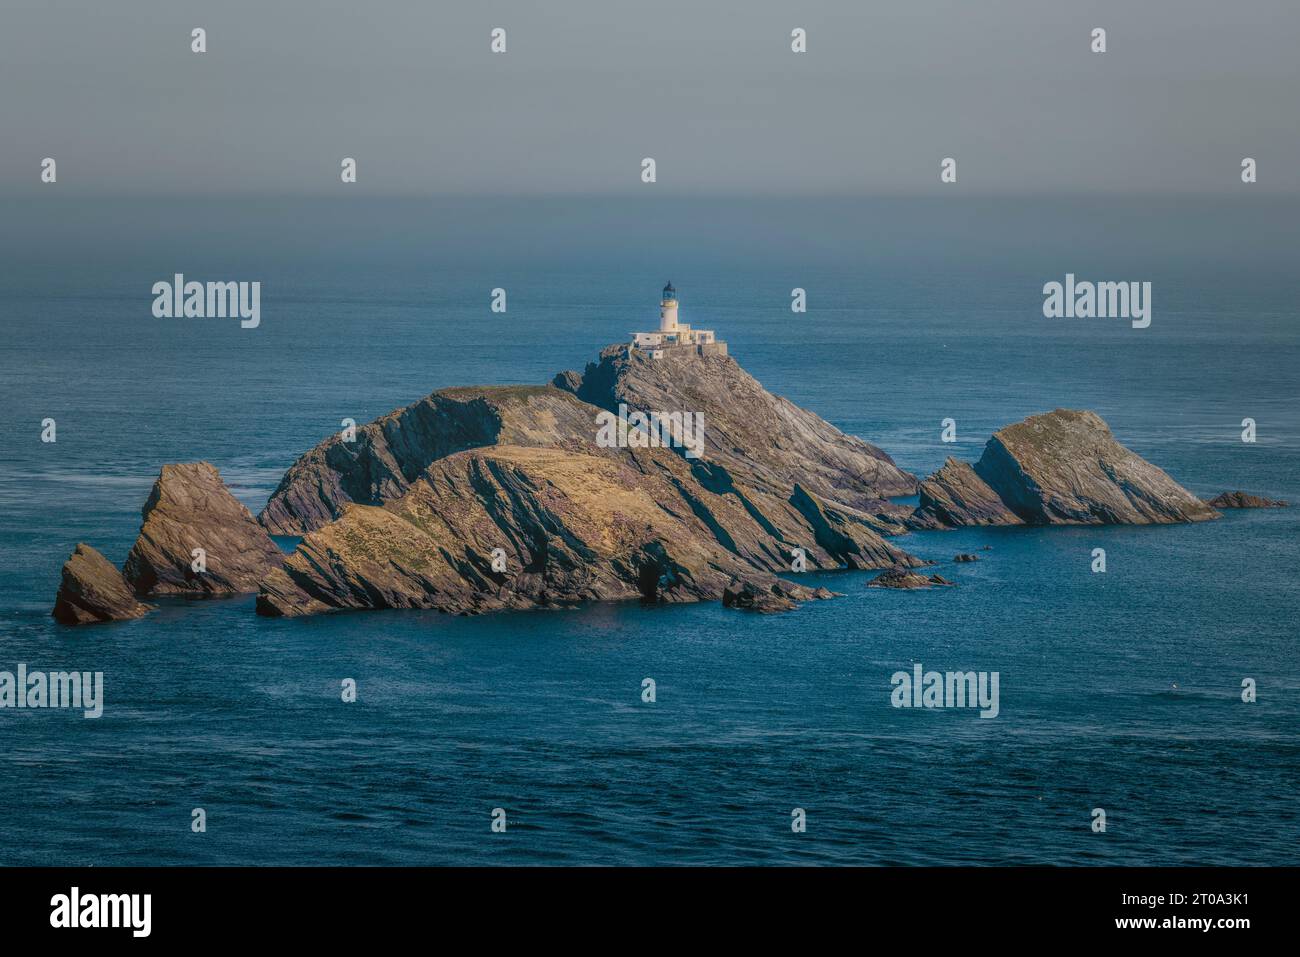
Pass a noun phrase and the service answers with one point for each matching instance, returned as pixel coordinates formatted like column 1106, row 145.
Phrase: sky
column 708, row 88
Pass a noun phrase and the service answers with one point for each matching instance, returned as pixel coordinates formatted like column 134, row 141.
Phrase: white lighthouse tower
column 673, row 336
column 668, row 310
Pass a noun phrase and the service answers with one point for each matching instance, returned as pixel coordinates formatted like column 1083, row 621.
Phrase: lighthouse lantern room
column 668, row 310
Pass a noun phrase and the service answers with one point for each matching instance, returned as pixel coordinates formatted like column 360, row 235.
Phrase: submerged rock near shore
column 190, row 508
column 906, row 578
column 748, row 596
column 1059, row 468
column 93, row 590
column 1244, row 500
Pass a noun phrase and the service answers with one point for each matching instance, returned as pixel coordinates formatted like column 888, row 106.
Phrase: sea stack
column 1059, row 468
column 197, row 539
column 93, row 590
column 955, row 495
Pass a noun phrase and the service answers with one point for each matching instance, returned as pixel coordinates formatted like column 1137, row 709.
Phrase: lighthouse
column 668, row 309
column 673, row 336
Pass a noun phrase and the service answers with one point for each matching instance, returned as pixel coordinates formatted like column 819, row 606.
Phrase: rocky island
column 1058, row 468
column 480, row 498
column 411, row 513
column 92, row 590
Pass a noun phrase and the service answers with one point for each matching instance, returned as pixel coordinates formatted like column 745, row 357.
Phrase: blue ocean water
column 1119, row 691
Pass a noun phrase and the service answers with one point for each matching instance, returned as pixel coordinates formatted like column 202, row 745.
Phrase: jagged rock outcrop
column 759, row 438
column 1065, row 467
column 906, row 578
column 955, row 495
column 568, row 380
column 748, row 596
column 1059, row 468
column 750, row 436
column 408, row 515
column 1244, row 500
column 392, row 452
column 569, row 528
column 93, row 590
column 966, row 557
column 852, row 537
column 191, row 508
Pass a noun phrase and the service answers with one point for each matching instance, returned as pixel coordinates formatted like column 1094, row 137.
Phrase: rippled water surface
column 1119, row 691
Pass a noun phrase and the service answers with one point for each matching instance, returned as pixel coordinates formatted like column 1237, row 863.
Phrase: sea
column 1120, row 691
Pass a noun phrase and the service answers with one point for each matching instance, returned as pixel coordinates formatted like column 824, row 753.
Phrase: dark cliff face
column 1058, row 468
column 190, row 508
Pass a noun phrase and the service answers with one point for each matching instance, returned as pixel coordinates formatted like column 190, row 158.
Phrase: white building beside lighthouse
column 674, row 336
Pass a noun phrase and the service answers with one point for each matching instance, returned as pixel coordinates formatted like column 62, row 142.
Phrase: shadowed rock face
column 92, row 590
column 188, row 508
column 759, row 438
column 1059, row 468
column 1244, row 500
column 850, row 537
column 634, row 524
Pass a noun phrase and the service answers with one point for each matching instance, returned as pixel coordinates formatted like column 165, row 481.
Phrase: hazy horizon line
column 1251, row 193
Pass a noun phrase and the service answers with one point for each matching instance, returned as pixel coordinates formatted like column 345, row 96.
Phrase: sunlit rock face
column 410, row 513
column 1059, row 468
column 93, row 590
column 191, row 509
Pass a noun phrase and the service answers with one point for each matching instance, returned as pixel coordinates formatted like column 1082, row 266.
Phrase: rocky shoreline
column 483, row 498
